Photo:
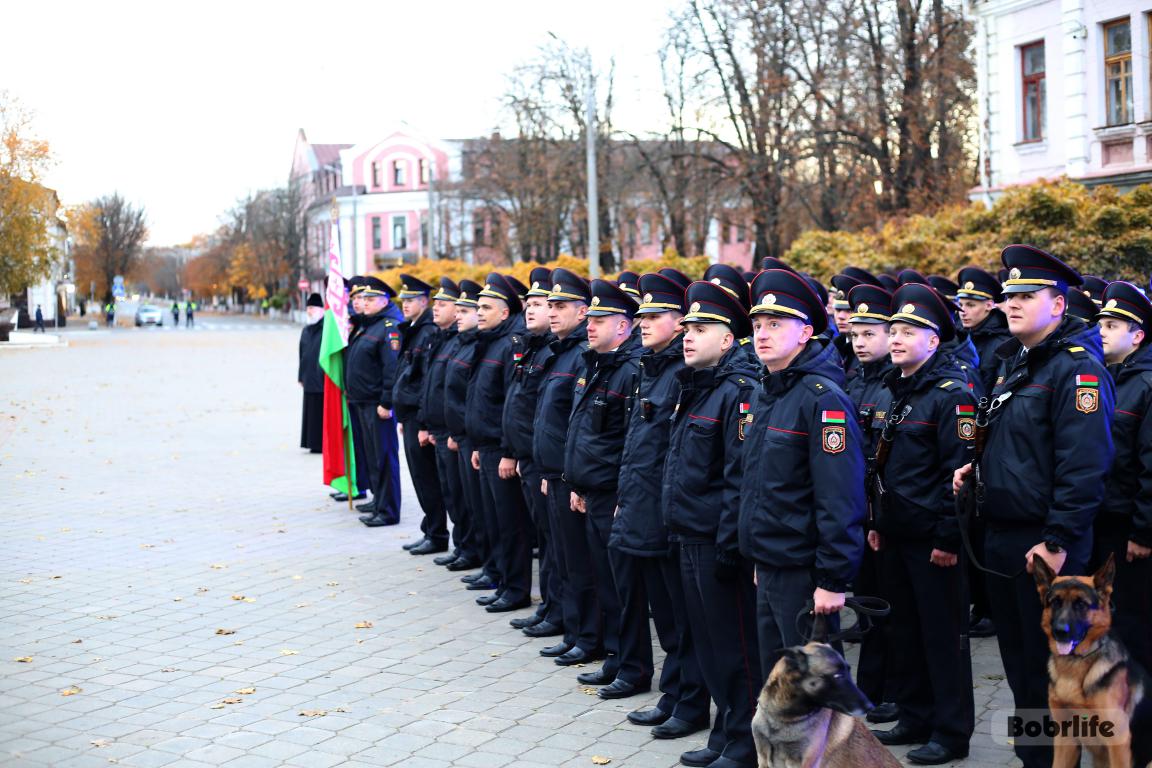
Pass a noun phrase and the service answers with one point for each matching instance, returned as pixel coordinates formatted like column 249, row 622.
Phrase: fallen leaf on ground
column 23, row 659
column 65, row 530
column 106, row 617
column 297, row 578
column 74, row 642
column 225, row 631
column 177, row 599
column 411, row 593
column 288, row 652
column 589, row 691
column 333, row 584
column 71, row 690
column 99, row 742
column 313, row 712
column 25, row 581
column 57, row 577
column 237, row 597
column 168, row 669
column 231, row 700
column 363, row 625
column 217, row 567
column 303, row 605
column 598, row 760
column 201, row 590
column 147, row 546
column 245, row 691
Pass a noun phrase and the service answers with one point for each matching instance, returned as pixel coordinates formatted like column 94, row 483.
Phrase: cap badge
column 404, row 286
column 536, row 285
column 595, row 301
column 768, row 300
column 695, row 307
column 1111, row 303
column 487, row 287
column 839, row 294
column 863, row 308
column 969, row 285
column 1014, row 273
column 647, row 298
column 463, row 294
column 908, row 309
column 716, row 281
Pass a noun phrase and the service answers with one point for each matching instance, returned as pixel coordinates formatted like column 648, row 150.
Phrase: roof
column 328, row 154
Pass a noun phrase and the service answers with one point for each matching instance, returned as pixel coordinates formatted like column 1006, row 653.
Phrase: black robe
column 311, row 377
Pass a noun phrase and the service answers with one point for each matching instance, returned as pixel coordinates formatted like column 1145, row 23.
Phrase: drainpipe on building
column 986, row 124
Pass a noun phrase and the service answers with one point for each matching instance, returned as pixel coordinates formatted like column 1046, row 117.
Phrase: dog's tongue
column 1064, row 648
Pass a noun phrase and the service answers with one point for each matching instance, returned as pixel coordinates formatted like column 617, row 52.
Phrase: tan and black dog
column 1090, row 672
column 809, row 714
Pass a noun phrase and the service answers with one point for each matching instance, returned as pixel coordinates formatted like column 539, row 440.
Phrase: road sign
column 303, row 284
column 118, row 287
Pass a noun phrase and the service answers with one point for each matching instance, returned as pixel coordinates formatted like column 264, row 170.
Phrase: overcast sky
column 183, row 108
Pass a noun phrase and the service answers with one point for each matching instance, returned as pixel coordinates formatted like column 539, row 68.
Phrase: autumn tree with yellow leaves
column 26, row 250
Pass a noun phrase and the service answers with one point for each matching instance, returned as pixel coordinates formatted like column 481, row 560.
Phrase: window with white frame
column 399, row 173
column 1032, row 91
column 376, row 244
column 1118, row 72
column 425, row 171
column 399, row 232
column 377, row 182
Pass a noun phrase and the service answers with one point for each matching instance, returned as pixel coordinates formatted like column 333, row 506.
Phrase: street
column 178, row 588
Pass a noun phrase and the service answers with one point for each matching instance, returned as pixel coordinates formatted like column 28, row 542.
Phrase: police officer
column 868, row 324
column 1095, row 286
column 1047, row 455
column 732, row 280
column 702, row 475
column 370, row 370
column 505, row 519
column 567, row 305
column 802, row 504
column 977, row 294
column 417, row 332
column 530, row 350
column 592, row 465
column 849, row 278
column 457, row 377
column 928, row 433
column 646, row 567
column 960, row 347
column 1081, row 306
column 431, row 414
column 1124, row 526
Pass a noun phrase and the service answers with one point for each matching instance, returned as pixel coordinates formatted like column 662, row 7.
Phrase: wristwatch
column 1055, row 549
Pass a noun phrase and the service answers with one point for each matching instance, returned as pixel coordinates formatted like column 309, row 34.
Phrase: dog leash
column 863, row 606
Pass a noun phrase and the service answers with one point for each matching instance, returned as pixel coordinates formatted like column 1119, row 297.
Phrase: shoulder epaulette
column 746, row 340
column 1077, row 351
column 818, row 384
column 947, row 384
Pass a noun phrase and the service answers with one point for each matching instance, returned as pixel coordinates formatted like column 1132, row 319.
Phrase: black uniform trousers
column 475, row 542
column 653, row 584
column 509, row 528
column 933, row 682
column 363, row 481
column 537, row 503
column 600, row 507
column 422, row 469
column 722, row 620
column 873, row 673
column 452, row 492
column 380, row 447
column 578, row 589
column 1131, row 590
column 312, row 424
column 1016, row 612
column 781, row 593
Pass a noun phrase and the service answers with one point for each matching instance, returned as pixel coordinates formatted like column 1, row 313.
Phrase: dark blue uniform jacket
column 457, row 376
column 370, row 360
column 554, row 405
column 529, row 353
column 416, row 339
column 1128, row 498
column 440, row 350
column 491, row 375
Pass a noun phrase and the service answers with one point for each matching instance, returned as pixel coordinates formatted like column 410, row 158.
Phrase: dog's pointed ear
column 1043, row 575
column 1102, row 579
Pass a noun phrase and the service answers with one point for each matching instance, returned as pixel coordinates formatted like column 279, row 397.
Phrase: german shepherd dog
column 808, row 715
column 1090, row 671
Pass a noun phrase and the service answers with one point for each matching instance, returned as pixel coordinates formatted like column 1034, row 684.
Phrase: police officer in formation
column 722, row 458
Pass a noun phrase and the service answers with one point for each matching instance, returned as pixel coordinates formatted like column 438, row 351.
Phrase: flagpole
column 335, row 271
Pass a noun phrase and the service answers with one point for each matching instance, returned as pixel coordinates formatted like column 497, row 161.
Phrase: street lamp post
column 593, row 201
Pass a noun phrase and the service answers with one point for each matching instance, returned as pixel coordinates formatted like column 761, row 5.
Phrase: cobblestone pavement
column 176, row 588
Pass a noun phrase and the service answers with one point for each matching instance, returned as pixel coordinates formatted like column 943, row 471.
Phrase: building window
column 398, row 176
column 424, row 231
column 399, row 232
column 1118, row 71
column 1032, row 90
column 478, row 230
column 645, row 231
column 741, row 232
column 376, row 175
column 376, row 244
column 425, row 175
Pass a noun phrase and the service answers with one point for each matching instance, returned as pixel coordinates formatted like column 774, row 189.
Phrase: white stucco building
column 1063, row 90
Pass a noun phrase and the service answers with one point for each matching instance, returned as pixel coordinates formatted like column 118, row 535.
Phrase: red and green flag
column 833, row 417
column 1087, row 380
column 339, row 458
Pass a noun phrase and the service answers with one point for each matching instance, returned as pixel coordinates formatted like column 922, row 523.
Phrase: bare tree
column 110, row 233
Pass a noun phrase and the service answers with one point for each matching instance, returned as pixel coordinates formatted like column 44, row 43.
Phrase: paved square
column 176, row 588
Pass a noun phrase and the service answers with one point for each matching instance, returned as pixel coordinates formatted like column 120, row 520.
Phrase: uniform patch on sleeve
column 833, row 439
column 1087, row 393
column 745, row 419
column 966, row 422
column 394, row 340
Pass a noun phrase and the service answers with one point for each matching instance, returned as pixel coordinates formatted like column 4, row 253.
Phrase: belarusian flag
column 339, row 458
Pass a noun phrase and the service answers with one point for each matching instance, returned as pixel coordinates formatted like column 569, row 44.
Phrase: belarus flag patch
column 832, row 417
column 1087, row 380
column 965, row 410
column 745, row 408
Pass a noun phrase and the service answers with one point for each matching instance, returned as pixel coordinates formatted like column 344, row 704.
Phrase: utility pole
column 593, row 201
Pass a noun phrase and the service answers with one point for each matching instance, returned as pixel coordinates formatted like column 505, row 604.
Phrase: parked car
column 149, row 315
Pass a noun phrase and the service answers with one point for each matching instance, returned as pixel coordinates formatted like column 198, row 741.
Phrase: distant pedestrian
column 110, row 314
column 175, row 315
column 189, row 308
column 39, row 321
